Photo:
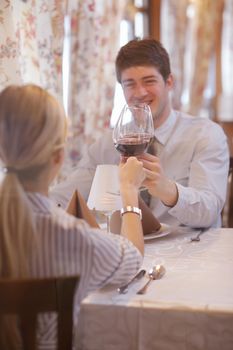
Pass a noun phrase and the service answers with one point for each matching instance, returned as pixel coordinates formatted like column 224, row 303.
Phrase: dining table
column 189, row 308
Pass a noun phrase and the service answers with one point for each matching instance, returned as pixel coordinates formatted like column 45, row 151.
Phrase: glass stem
column 108, row 222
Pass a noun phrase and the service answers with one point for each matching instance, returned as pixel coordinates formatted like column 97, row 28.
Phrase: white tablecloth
column 190, row 308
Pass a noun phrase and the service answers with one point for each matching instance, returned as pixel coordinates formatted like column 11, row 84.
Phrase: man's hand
column 156, row 182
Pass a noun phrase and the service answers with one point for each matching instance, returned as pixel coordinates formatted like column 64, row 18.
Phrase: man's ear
column 170, row 81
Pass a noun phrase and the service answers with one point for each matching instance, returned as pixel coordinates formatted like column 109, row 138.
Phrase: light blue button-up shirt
column 193, row 152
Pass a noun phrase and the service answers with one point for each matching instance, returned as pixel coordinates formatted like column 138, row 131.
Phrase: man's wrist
column 171, row 195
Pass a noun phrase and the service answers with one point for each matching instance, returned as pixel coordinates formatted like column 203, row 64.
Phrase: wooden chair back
column 227, row 212
column 230, row 196
column 28, row 297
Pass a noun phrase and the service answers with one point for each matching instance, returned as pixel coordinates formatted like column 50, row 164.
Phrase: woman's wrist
column 129, row 195
column 131, row 209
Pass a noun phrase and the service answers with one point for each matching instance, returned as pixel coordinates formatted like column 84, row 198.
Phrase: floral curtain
column 93, row 34
column 31, row 43
column 173, row 36
column 190, row 40
column 207, row 16
column 225, row 100
column 69, row 48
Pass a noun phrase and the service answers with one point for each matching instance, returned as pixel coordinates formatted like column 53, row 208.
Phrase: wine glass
column 104, row 196
column 134, row 130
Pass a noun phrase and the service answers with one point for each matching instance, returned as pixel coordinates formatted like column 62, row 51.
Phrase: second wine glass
column 134, row 130
column 104, row 196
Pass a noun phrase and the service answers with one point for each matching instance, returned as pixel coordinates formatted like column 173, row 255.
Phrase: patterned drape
column 31, row 43
column 189, row 34
column 225, row 100
column 208, row 14
column 31, row 50
column 94, row 31
column 173, row 36
column 227, row 52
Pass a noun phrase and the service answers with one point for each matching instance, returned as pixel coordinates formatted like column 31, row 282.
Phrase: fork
column 197, row 237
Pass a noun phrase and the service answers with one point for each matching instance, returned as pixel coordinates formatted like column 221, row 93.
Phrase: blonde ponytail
column 16, row 227
column 32, row 126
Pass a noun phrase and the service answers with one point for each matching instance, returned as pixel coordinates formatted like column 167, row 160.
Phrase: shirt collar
column 40, row 203
column 163, row 132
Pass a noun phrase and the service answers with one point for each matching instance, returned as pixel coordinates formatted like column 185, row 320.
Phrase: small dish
column 162, row 232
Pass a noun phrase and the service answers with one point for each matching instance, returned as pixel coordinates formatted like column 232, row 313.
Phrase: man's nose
column 140, row 91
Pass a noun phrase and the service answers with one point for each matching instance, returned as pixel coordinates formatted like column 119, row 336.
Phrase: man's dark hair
column 143, row 52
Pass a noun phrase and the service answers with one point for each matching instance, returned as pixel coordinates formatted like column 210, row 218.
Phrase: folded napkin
column 78, row 207
column 149, row 222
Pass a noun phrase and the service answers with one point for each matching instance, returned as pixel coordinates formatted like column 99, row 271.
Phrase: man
column 187, row 176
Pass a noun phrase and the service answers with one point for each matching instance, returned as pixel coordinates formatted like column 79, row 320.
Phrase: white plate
column 163, row 231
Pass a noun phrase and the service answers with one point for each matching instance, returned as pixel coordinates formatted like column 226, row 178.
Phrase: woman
column 37, row 239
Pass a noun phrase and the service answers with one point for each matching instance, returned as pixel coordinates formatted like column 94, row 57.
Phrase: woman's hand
column 131, row 172
column 131, row 175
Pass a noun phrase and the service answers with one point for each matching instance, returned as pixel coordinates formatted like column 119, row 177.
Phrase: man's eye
column 128, row 85
column 150, row 82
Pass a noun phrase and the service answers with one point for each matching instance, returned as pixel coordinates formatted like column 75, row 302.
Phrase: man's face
column 144, row 84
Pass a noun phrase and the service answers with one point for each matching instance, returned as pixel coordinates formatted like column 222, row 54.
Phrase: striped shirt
column 66, row 245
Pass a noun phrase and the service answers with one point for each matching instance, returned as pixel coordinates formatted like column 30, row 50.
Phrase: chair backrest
column 227, row 212
column 28, row 297
column 230, row 195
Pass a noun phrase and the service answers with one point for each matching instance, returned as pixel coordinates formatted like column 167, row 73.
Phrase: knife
column 124, row 289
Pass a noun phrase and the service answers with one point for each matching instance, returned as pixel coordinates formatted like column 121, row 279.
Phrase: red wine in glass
column 134, row 130
column 133, row 145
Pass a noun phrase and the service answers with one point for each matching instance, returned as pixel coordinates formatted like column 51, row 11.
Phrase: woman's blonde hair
column 32, row 127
